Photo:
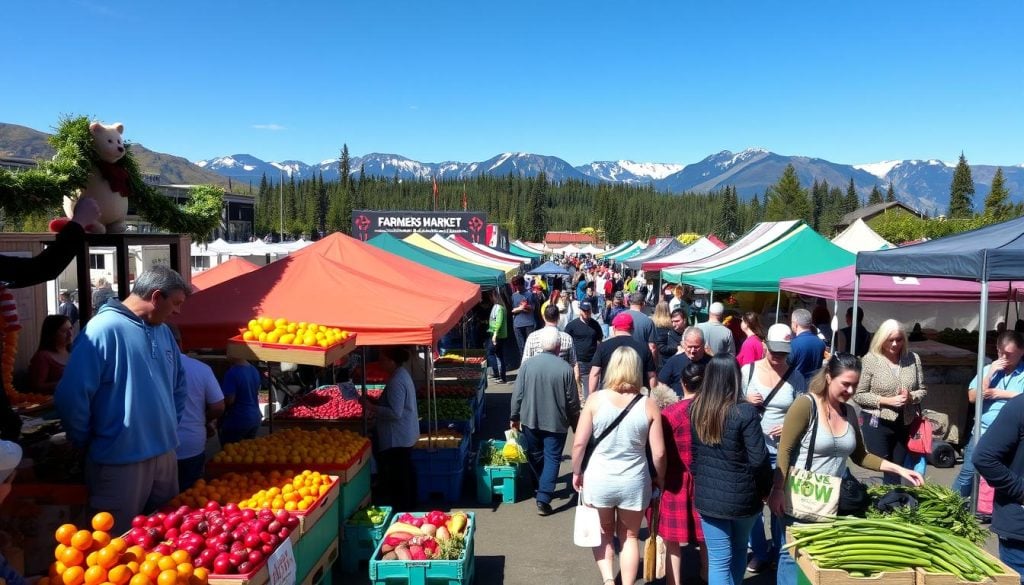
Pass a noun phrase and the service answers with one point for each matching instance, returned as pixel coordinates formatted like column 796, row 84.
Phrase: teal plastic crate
column 360, row 541
column 427, row 572
column 320, row 533
column 353, row 493
column 433, row 483
column 492, row 480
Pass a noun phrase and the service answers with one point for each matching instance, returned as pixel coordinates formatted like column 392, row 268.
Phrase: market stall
column 224, row 271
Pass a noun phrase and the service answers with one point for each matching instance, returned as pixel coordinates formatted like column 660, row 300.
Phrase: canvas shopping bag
column 813, row 497
column 586, row 529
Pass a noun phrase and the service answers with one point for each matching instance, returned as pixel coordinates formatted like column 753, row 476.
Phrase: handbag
column 809, row 496
column 920, row 434
column 853, row 496
column 591, row 445
column 586, row 526
column 651, row 546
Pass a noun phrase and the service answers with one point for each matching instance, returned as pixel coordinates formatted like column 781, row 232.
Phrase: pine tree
column 786, row 199
column 890, row 194
column 997, row 203
column 537, row 203
column 875, row 197
column 343, row 203
column 961, row 191
column 729, row 217
column 818, row 194
column 852, row 201
column 756, row 213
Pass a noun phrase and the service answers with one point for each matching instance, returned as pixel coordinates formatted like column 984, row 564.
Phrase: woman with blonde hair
column 837, row 437
column 677, row 301
column 616, row 426
column 890, row 392
column 662, row 331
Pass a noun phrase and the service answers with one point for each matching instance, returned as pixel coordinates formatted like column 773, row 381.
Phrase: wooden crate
column 1010, row 577
column 266, row 352
column 811, row 574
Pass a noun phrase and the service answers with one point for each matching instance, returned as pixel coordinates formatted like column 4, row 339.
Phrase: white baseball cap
column 778, row 338
column 10, row 457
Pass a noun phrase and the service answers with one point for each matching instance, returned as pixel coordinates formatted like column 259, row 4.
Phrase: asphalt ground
column 515, row 546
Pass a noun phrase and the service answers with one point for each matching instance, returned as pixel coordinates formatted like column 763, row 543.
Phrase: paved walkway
column 515, row 546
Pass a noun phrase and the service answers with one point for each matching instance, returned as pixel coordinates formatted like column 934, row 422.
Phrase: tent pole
column 835, row 315
column 853, row 323
column 778, row 304
column 978, row 403
column 366, row 426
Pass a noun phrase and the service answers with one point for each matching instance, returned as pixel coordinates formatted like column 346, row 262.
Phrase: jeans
column 727, row 548
column 1011, row 552
column 544, row 450
column 764, row 550
column 785, row 574
column 964, row 482
column 585, row 380
column 496, row 357
column 521, row 334
column 190, row 470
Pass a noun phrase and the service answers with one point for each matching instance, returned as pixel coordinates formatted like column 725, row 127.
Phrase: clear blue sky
column 852, row 82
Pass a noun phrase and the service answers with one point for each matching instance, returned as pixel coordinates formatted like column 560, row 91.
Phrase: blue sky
column 852, row 82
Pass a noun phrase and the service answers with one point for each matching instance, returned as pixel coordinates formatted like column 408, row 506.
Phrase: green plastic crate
column 360, row 541
column 352, row 494
column 427, row 572
column 494, row 480
column 317, row 538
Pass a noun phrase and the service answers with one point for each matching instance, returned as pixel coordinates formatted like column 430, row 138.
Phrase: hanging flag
column 465, row 203
column 434, row 179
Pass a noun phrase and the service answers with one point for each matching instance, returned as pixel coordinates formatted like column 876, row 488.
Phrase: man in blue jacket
column 1000, row 460
column 122, row 396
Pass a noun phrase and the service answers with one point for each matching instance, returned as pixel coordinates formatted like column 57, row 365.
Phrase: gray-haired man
column 807, row 349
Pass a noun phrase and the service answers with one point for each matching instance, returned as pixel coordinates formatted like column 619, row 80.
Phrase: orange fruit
column 59, row 551
column 100, row 538
column 103, row 521
column 180, row 557
column 72, row 557
column 82, row 540
column 137, row 552
column 118, row 544
column 168, row 577
column 149, row 569
column 154, row 556
column 107, row 557
column 65, row 532
column 185, row 570
column 140, row 579
column 201, row 573
column 166, row 563
column 95, row 575
column 133, row 567
column 73, row 576
column 119, row 574
column 57, row 569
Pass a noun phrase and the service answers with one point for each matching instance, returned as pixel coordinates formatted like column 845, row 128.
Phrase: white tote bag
column 586, row 530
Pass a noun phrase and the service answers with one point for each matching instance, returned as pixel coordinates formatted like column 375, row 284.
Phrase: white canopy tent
column 859, row 237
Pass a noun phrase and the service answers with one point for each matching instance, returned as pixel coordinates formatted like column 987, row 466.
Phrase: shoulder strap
column 813, row 429
column 750, row 374
column 778, row 386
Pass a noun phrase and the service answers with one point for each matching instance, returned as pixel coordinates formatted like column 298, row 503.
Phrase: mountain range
column 923, row 184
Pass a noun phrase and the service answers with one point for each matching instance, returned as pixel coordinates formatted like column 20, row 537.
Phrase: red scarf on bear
column 117, row 176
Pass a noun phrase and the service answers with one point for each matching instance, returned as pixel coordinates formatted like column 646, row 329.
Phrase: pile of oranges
column 285, row 332
column 85, row 557
column 296, row 447
column 277, row 490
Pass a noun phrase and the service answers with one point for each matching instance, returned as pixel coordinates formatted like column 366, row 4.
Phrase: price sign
column 282, row 564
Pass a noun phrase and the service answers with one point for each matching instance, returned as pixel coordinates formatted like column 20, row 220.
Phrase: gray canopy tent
column 993, row 253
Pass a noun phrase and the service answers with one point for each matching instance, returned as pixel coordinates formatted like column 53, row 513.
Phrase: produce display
column 865, row 546
column 441, row 439
column 85, row 557
column 509, row 454
column 226, row 540
column 371, row 516
column 449, row 391
column 434, row 535
column 284, row 332
column 455, row 358
column 276, row 490
column 937, row 505
column 326, row 403
column 446, row 409
column 296, row 447
column 472, row 374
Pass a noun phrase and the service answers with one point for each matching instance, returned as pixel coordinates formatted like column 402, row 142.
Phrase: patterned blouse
column 879, row 378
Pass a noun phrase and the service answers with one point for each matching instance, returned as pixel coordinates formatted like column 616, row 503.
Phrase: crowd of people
column 745, row 407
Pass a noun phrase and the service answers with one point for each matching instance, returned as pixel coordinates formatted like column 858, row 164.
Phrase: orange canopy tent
column 221, row 272
column 337, row 281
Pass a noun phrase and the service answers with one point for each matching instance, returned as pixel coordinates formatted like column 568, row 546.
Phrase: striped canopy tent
column 615, row 250
column 758, row 237
column 630, row 251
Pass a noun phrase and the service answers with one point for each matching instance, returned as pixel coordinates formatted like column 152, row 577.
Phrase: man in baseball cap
column 622, row 335
column 586, row 335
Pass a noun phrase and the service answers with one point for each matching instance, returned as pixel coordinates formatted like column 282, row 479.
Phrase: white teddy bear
column 108, row 184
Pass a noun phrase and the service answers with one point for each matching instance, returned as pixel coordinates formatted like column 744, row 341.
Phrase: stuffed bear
column 108, row 184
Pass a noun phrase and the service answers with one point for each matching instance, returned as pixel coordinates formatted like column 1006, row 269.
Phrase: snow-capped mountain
column 922, row 183
column 627, row 171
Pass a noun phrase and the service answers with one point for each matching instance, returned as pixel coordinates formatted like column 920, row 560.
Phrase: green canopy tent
column 800, row 252
column 615, row 250
column 634, row 249
column 524, row 252
column 485, row 277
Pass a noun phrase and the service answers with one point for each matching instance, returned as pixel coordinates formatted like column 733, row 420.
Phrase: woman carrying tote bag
column 818, row 435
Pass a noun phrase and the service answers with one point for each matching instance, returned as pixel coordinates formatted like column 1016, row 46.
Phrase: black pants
column 396, row 485
column 888, row 440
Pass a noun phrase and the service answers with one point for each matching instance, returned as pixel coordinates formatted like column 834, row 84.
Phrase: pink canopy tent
column 838, row 285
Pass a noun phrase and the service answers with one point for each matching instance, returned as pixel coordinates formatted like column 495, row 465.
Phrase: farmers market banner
column 469, row 224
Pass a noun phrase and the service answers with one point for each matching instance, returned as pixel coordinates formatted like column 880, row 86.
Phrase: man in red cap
column 622, row 335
